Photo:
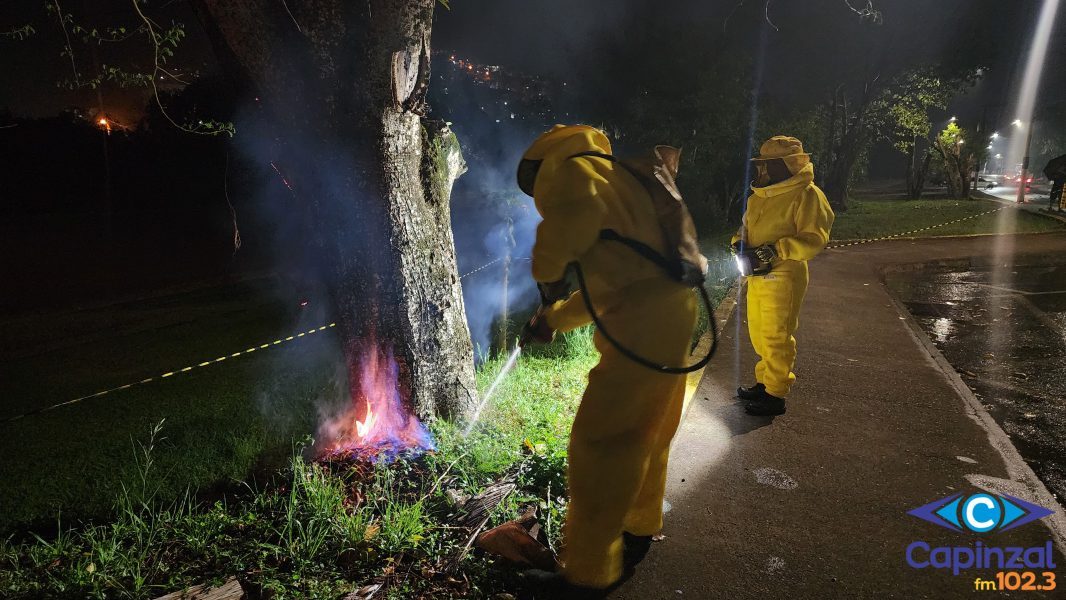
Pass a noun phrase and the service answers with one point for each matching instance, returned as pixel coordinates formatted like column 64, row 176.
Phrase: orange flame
column 386, row 426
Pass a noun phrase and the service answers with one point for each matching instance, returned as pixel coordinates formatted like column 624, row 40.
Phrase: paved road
column 1035, row 198
column 812, row 504
column 1005, row 333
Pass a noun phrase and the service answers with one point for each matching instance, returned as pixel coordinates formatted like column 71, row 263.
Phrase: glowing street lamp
column 952, row 119
column 995, row 135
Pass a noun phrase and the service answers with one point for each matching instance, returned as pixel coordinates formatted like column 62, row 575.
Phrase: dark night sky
column 548, row 37
column 31, row 68
column 551, row 36
column 544, row 37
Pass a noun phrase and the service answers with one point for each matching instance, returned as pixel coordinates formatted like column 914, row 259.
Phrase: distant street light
column 995, row 135
column 952, row 119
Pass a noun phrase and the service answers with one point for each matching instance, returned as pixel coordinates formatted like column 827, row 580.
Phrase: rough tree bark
column 838, row 176
column 846, row 148
column 343, row 85
column 843, row 150
column 917, row 173
column 958, row 167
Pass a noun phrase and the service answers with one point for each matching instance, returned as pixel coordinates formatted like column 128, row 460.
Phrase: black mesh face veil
column 527, row 175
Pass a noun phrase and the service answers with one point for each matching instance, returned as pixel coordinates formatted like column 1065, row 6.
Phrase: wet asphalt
column 1004, row 331
column 813, row 504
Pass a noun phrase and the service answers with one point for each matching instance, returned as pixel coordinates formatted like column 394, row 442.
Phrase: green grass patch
column 148, row 491
column 223, row 421
column 315, row 530
column 868, row 219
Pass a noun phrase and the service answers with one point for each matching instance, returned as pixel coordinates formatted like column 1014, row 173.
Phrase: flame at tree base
column 376, row 422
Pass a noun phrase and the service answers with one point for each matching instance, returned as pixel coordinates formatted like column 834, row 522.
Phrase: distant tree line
column 837, row 78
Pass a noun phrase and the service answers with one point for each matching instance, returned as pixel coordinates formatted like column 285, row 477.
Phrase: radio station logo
column 980, row 513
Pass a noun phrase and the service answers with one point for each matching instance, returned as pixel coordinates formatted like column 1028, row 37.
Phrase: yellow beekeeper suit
column 620, row 441
column 795, row 217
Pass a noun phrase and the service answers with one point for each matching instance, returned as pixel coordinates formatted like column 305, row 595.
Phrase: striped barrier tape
column 169, row 374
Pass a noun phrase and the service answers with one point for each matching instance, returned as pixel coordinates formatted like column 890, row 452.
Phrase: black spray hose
column 633, row 356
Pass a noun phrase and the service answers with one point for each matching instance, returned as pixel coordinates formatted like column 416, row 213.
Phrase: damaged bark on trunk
column 342, row 86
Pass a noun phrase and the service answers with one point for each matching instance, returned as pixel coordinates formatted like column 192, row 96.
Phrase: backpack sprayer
column 683, row 262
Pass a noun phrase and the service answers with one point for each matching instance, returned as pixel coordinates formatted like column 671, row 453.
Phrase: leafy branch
column 18, row 33
column 112, row 35
column 164, row 42
column 866, row 13
column 64, row 20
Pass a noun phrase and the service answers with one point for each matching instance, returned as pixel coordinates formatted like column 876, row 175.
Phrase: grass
column 223, row 421
column 186, row 480
column 146, row 491
column 314, row 530
column 867, row 219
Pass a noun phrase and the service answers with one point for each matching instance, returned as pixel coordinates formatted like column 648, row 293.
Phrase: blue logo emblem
column 980, row 513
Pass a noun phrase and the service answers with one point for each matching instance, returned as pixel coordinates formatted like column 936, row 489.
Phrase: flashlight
column 743, row 264
column 749, row 263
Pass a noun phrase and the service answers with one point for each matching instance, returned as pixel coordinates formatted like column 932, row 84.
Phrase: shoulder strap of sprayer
column 611, row 235
column 652, row 255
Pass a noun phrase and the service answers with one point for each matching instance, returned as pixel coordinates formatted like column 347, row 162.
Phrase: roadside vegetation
column 867, row 219
column 324, row 529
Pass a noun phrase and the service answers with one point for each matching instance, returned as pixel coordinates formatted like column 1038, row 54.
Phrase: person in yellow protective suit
column 786, row 223
column 620, row 441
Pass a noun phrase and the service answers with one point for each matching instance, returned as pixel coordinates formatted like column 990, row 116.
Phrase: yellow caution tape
column 169, row 373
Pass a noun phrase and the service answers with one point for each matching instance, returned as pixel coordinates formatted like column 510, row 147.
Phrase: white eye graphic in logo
column 981, row 513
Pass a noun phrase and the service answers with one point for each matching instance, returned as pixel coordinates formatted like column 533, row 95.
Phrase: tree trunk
column 343, row 86
column 964, row 178
column 847, row 151
column 916, row 175
column 838, row 179
column 955, row 170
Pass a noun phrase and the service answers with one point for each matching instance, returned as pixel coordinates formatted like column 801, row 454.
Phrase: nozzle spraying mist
column 535, row 331
column 511, row 360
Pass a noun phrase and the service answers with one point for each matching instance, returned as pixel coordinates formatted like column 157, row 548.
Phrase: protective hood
column 803, row 178
column 554, row 147
column 786, row 148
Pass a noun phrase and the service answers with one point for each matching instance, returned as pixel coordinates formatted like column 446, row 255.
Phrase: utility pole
column 1025, row 163
column 105, row 126
column 980, row 137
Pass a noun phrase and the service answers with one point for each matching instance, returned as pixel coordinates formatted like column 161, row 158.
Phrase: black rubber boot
column 548, row 584
column 750, row 393
column 636, row 548
column 765, row 405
